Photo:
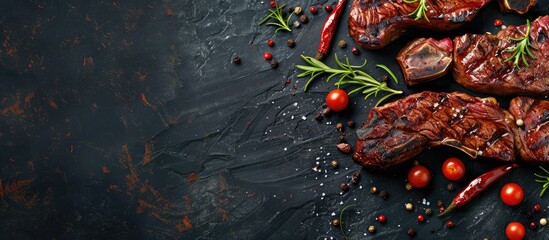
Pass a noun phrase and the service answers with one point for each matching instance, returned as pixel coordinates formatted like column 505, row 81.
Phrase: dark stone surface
column 128, row 119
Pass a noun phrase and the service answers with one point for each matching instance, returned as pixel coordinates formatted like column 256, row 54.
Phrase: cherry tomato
column 419, row 176
column 512, row 194
column 515, row 231
column 337, row 99
column 453, row 169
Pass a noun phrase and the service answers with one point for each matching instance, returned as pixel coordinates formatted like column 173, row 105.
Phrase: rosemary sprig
column 542, row 179
column 341, row 220
column 522, row 49
column 420, row 10
column 277, row 15
column 348, row 74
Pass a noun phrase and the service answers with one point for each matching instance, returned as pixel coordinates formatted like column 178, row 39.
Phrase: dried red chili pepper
column 328, row 29
column 478, row 185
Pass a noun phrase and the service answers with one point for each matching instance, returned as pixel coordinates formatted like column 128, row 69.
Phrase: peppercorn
column 440, row 203
column 328, row 8
column 428, row 211
column 408, row 186
column 543, row 221
column 355, row 177
column 296, row 24
column 344, row 186
column 373, row 189
column 334, row 164
column 339, row 126
column 335, row 222
column 303, row 18
column 236, row 60
column 533, row 225
column 371, row 229
column 355, row 51
column 267, row 56
column 274, row 63
column 409, row 206
column 450, row 187
column 318, row 117
column 383, row 194
column 272, row 4
column 537, row 207
column 297, row 10
column 342, row 43
column 420, row 218
column 381, row 218
column 313, row 10
column 450, row 224
column 350, row 123
column 326, row 111
column 411, row 232
column 270, row 42
column 416, row 163
column 291, row 43
column 498, row 23
column 341, row 139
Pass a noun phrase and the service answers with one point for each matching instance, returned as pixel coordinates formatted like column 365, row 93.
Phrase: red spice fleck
column 450, row 224
column 498, row 23
column 537, row 207
column 169, row 12
column 146, row 102
column 147, row 156
column 192, row 177
column 270, row 42
column 105, row 170
column 52, row 103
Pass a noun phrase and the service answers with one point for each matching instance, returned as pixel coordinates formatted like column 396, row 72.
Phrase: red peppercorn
column 498, row 23
column 313, row 9
column 537, row 207
column 328, row 8
column 270, row 42
column 533, row 225
column 450, row 224
column 267, row 56
column 272, row 4
column 355, row 51
column 381, row 218
column 420, row 218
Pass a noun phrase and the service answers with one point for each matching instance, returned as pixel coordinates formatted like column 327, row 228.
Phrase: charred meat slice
column 517, row 6
column 375, row 23
column 425, row 59
column 479, row 61
column 532, row 140
column 400, row 130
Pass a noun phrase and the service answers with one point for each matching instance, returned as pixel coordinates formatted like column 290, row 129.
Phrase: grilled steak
column 425, row 59
column 375, row 23
column 479, row 61
column 532, row 140
column 402, row 129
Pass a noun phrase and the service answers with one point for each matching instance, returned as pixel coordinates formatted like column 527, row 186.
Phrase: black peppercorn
column 303, row 18
column 274, row 63
column 344, row 186
column 440, row 203
column 335, row 222
column 450, row 187
column 383, row 194
column 428, row 211
column 350, row 123
column 411, row 232
column 355, row 178
column 334, row 164
column 318, row 117
column 291, row 43
column 326, row 111
column 236, row 60
column 342, row 43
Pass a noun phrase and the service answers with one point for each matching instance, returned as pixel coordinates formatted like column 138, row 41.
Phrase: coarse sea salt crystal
column 333, row 214
column 303, row 118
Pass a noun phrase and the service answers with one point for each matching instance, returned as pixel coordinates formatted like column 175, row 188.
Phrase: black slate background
column 127, row 119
